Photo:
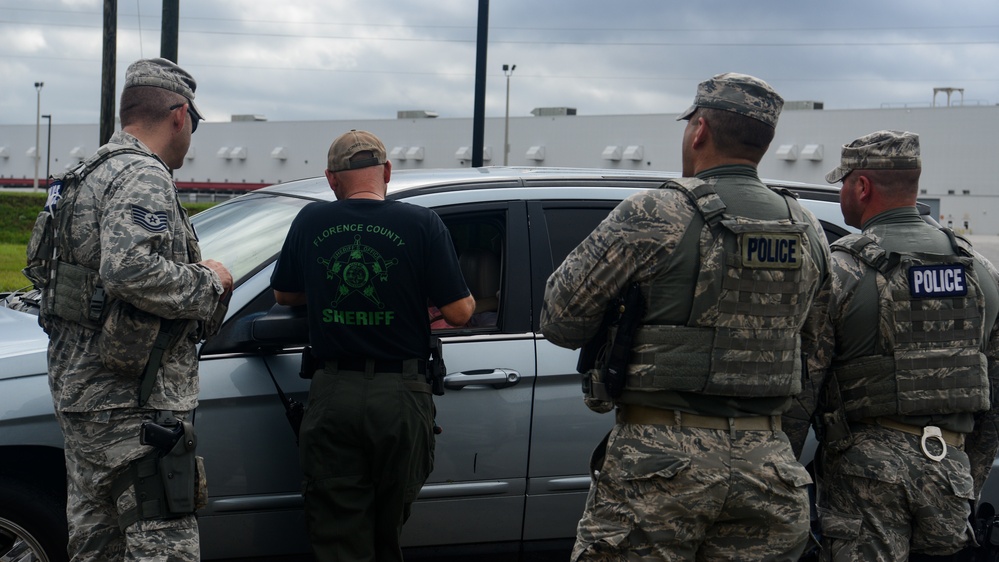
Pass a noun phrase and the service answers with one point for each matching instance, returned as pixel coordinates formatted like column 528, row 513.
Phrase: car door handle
column 497, row 378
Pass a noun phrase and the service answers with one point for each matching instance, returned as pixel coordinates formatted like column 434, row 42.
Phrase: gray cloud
column 313, row 60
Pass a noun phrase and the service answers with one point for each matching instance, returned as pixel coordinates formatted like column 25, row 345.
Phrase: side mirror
column 280, row 326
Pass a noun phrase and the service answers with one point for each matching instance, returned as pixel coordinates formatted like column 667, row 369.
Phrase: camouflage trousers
column 670, row 493
column 881, row 498
column 99, row 447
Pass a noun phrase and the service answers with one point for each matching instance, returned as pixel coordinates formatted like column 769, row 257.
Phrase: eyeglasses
column 194, row 116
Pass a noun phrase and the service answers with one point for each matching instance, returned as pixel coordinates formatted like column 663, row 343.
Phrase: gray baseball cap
column 738, row 93
column 162, row 73
column 881, row 150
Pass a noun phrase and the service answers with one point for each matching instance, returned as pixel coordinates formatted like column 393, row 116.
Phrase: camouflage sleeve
column 816, row 349
column 826, row 322
column 982, row 444
column 623, row 248
column 144, row 257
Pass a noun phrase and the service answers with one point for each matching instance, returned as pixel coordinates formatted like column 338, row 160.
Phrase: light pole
column 507, row 71
column 48, row 149
column 38, row 129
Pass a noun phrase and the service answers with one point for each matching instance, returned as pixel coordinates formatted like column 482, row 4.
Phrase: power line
column 645, row 77
column 530, row 28
column 694, row 44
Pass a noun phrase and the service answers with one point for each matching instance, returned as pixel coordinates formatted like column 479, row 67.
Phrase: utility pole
column 108, row 70
column 169, row 29
column 48, row 149
column 479, row 114
column 38, row 128
column 507, row 71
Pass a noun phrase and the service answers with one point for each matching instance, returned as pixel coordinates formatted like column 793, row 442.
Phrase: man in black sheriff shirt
column 366, row 267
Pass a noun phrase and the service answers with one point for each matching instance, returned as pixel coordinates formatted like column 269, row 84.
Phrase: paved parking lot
column 988, row 245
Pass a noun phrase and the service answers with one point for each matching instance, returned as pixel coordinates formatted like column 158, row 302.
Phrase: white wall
column 959, row 148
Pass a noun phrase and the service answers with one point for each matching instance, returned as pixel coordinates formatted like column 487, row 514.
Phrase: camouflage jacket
column 129, row 226
column 853, row 310
column 642, row 241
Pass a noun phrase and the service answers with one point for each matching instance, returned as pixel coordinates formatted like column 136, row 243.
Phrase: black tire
column 32, row 524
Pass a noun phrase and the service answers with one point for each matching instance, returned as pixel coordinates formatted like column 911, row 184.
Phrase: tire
column 32, row 524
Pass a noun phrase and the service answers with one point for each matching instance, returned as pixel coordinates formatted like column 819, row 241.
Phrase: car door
column 565, row 431
column 476, row 491
column 251, row 459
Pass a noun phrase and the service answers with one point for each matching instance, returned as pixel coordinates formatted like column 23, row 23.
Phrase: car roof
column 407, row 183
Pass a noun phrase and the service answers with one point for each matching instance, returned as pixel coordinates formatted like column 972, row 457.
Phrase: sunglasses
column 194, row 117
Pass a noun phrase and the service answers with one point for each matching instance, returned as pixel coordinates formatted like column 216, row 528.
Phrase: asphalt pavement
column 987, row 245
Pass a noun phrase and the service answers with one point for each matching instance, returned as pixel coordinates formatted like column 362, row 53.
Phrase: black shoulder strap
column 864, row 249
column 170, row 333
column 104, row 153
column 703, row 196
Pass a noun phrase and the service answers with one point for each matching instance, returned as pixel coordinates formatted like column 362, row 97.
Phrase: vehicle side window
column 478, row 241
column 568, row 226
column 833, row 232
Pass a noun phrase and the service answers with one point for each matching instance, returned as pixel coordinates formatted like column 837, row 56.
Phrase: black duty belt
column 377, row 365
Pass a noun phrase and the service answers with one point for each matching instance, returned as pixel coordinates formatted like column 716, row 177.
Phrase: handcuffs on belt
column 931, row 431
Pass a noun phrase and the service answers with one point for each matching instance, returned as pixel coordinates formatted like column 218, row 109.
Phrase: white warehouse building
column 960, row 148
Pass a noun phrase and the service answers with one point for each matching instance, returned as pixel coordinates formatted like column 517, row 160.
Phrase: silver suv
column 511, row 464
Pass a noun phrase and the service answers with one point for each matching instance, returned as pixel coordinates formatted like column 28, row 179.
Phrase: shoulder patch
column 153, row 221
column 932, row 281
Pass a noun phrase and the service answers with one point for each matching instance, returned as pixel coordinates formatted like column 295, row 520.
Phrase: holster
column 179, row 473
column 835, row 428
column 832, row 428
column 598, row 456
column 167, row 485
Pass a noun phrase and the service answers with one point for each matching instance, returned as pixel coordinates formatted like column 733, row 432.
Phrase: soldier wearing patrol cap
column 131, row 254
column 697, row 465
column 906, row 419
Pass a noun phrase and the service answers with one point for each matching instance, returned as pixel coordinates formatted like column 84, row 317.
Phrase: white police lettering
column 771, row 250
column 948, row 280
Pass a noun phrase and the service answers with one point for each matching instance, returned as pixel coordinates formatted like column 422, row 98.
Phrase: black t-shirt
column 368, row 268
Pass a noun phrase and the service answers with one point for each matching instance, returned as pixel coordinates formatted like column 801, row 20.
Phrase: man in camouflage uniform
column 697, row 466
column 128, row 227
column 907, row 416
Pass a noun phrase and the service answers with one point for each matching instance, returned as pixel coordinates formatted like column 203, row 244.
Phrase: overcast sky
column 303, row 60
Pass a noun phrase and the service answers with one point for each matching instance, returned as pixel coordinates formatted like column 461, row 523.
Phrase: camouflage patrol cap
column 738, row 93
column 162, row 73
column 349, row 144
column 882, row 150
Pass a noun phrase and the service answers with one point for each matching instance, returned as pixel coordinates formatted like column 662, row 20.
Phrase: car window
column 478, row 241
column 833, row 232
column 567, row 227
column 246, row 234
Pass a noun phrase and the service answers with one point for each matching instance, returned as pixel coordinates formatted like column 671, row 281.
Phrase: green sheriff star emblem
column 357, row 266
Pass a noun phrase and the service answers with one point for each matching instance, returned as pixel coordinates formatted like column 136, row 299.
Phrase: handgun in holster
column 161, row 434
column 170, row 481
column 631, row 310
column 603, row 361
column 832, row 426
column 436, row 371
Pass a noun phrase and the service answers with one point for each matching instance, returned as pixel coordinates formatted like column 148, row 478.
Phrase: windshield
column 246, row 233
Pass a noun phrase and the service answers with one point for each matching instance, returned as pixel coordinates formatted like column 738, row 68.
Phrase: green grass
column 17, row 215
column 12, row 259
